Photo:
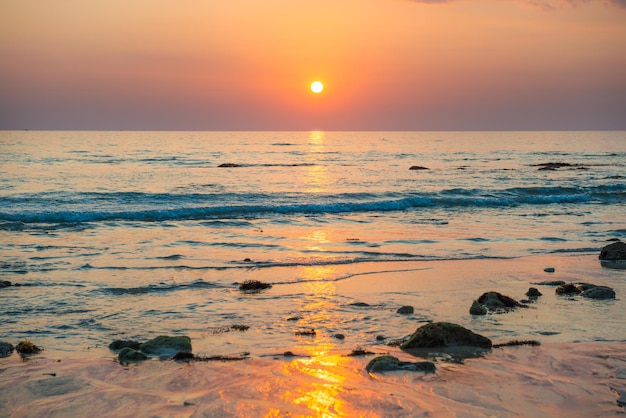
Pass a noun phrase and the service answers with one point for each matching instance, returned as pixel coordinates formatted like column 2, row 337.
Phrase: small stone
column 533, row 292
column 477, row 309
column 549, row 270
column 445, row 334
column 339, row 336
column 26, row 347
column 380, row 338
column 5, row 283
column 254, row 286
column 405, row 310
column 418, row 167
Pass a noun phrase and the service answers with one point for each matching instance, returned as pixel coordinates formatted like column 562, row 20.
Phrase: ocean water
column 135, row 234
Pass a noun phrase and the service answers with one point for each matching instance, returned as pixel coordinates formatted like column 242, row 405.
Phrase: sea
column 115, row 234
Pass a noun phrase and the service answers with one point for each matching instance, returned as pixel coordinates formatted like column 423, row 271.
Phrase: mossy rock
column 391, row 363
column 445, row 334
column 166, row 346
column 128, row 355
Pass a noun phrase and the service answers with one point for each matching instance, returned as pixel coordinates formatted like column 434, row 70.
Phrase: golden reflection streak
column 318, row 379
column 317, row 179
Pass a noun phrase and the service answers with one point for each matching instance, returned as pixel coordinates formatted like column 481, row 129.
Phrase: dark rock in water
column 306, row 332
column 56, row 386
column 391, row 363
column 119, row 344
column 360, row 304
column 477, row 309
column 229, row 165
column 128, row 355
column 495, row 301
column 340, row 336
column 444, row 334
column 567, row 289
column 6, row 349
column 380, row 338
column 549, row 270
column 165, row 346
column 417, row 167
column 254, row 286
column 599, row 292
column 613, row 255
column 614, row 251
column 555, row 166
column 5, row 283
column 25, row 347
column 405, row 310
column 533, row 292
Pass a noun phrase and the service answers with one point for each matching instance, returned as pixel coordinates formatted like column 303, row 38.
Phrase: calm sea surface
column 112, row 233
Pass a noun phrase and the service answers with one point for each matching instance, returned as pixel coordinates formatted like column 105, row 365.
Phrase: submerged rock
column 418, row 167
column 495, row 301
column 405, row 310
column 228, row 165
column 533, row 292
column 549, row 270
column 567, row 289
column 166, row 346
column 598, row 292
column 444, row 334
column 6, row 349
column 586, row 290
column 391, row 363
column 550, row 283
column 5, row 283
column 477, row 309
column 254, row 286
column 119, row 344
column 25, row 347
column 128, row 355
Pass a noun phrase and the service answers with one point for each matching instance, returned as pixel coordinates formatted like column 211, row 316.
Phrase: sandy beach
column 578, row 370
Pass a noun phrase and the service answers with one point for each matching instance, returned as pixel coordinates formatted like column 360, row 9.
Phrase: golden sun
column 317, row 87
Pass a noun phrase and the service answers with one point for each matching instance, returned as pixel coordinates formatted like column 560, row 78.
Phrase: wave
column 67, row 208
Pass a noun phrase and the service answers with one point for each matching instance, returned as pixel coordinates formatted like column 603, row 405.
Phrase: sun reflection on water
column 317, row 378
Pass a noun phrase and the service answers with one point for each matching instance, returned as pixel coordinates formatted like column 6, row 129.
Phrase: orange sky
column 248, row 64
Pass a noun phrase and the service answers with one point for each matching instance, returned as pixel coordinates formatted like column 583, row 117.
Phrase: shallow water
column 136, row 234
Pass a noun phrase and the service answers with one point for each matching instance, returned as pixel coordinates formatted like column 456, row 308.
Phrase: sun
column 317, row 87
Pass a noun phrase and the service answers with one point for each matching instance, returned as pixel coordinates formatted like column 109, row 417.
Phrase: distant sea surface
column 106, row 229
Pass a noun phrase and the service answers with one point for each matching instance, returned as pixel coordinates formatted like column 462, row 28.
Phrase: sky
column 248, row 64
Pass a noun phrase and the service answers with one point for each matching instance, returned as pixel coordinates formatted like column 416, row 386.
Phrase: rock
column 119, row 344
column 128, row 355
column 380, row 338
column 614, row 251
column 183, row 356
column 25, row 347
column 229, row 165
column 477, row 309
column 254, row 286
column 444, row 334
column 495, row 301
column 598, row 292
column 391, row 363
column 417, row 167
column 567, row 289
column 533, row 292
column 340, row 336
column 549, row 270
column 613, row 255
column 5, row 283
column 6, row 349
column 166, row 346
column 405, row 310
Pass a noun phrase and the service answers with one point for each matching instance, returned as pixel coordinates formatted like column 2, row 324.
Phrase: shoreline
column 578, row 370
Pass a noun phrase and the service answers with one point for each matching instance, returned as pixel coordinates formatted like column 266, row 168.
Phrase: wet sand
column 579, row 370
